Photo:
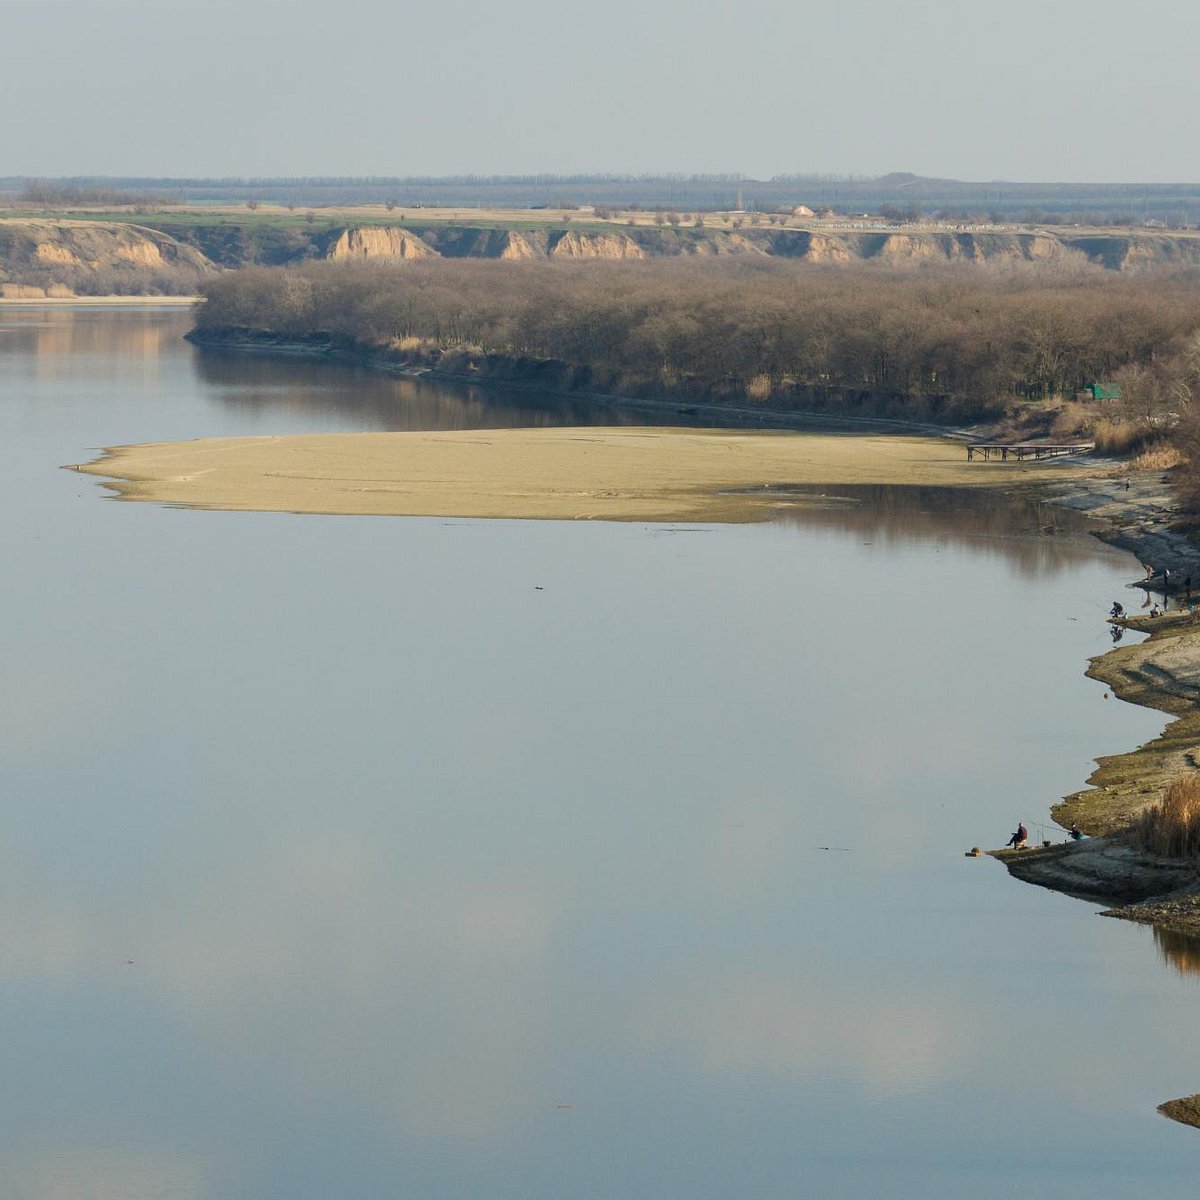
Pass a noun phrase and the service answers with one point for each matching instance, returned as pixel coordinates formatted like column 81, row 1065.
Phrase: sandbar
column 614, row 474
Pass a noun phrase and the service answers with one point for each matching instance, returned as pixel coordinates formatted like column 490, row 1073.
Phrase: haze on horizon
column 1047, row 91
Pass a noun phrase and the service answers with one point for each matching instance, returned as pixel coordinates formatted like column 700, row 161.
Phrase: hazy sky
column 1049, row 90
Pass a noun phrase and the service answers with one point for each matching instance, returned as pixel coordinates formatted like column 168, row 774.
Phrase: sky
column 1026, row 90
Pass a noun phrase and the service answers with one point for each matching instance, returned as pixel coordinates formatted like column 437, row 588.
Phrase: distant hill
column 1091, row 203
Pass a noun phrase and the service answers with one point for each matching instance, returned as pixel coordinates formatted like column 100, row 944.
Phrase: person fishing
column 1018, row 839
column 1075, row 834
column 1117, row 611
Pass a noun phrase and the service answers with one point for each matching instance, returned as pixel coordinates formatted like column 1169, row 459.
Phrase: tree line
column 952, row 343
column 49, row 193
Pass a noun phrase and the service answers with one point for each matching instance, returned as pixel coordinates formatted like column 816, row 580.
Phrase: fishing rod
column 1041, row 827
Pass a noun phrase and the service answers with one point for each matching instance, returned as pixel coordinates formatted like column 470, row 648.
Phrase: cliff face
column 59, row 257
column 1121, row 252
column 377, row 241
column 92, row 257
column 1124, row 252
column 595, row 245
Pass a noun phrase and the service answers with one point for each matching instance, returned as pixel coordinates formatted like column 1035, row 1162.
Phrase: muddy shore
column 1137, row 513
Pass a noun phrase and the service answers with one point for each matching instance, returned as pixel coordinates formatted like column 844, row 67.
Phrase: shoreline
column 1161, row 672
column 93, row 301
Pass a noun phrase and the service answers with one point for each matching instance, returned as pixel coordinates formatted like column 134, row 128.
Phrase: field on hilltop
column 1008, row 200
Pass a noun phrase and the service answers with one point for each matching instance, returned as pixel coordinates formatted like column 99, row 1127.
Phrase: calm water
column 339, row 860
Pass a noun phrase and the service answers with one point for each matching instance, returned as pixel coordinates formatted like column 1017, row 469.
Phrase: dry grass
column 759, row 388
column 1072, row 421
column 1159, row 456
column 1171, row 828
column 1123, row 438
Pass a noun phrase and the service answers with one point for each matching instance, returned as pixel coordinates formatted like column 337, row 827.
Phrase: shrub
column 759, row 388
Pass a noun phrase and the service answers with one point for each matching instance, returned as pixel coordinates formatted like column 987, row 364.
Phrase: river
column 383, row 857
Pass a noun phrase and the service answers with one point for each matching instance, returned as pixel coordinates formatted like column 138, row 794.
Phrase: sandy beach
column 621, row 474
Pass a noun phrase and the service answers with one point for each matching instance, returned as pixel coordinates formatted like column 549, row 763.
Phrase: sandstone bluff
column 59, row 257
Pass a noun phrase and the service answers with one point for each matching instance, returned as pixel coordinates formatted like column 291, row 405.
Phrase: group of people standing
column 1117, row 612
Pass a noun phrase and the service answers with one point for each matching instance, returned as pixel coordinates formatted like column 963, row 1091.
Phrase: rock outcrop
column 1134, row 251
column 94, row 257
column 1100, row 869
column 595, row 245
column 377, row 241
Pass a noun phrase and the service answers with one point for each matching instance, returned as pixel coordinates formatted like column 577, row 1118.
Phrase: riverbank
column 721, row 404
column 1162, row 672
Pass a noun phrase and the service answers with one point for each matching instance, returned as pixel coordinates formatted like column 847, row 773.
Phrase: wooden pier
column 1020, row 451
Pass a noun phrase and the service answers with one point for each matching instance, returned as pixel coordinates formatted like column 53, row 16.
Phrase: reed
column 1159, row 456
column 1171, row 828
column 1123, row 438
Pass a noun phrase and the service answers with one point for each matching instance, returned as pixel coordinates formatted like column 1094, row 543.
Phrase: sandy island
column 622, row 474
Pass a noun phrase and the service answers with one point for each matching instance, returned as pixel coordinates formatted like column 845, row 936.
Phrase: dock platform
column 1020, row 451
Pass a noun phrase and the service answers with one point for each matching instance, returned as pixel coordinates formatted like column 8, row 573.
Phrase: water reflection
column 1035, row 537
column 52, row 335
column 1178, row 950
column 370, row 399
column 375, row 399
